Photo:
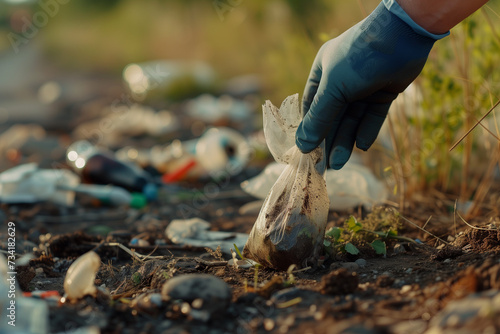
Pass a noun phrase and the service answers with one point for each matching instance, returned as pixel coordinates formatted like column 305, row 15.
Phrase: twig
column 466, row 223
column 289, row 303
column 210, row 263
column 399, row 175
column 429, row 233
column 474, row 126
column 132, row 253
column 363, row 8
column 427, row 222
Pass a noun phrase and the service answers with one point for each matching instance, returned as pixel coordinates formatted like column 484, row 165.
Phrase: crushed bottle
column 101, row 167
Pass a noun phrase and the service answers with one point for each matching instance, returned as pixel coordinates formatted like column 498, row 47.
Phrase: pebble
column 269, row 324
column 399, row 249
column 466, row 313
column 214, row 292
column 405, row 289
column 351, row 266
column 243, row 264
column 409, row 271
column 361, row 263
column 148, row 303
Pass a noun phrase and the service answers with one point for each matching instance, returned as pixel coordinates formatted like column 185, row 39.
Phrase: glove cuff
column 393, row 7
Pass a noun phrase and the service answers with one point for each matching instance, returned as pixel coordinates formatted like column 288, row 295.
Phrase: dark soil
column 412, row 283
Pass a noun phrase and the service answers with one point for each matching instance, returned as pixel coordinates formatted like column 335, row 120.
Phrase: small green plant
column 136, row 278
column 373, row 231
column 166, row 274
column 458, row 85
column 290, row 281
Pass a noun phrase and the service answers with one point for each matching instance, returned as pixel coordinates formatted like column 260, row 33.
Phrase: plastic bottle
column 109, row 194
column 101, row 167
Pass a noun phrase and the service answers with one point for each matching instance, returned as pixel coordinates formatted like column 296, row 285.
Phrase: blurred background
column 275, row 39
column 65, row 63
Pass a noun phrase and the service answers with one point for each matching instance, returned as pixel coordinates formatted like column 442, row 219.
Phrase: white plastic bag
column 353, row 185
column 291, row 224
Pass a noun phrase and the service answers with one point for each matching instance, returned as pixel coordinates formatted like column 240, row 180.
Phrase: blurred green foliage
column 459, row 84
column 276, row 39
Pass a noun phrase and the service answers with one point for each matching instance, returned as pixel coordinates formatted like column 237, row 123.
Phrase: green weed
column 373, row 231
column 459, row 83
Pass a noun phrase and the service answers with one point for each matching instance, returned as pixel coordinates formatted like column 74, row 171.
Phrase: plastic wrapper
column 291, row 224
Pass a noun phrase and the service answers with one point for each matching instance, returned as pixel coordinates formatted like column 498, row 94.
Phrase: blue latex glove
column 356, row 76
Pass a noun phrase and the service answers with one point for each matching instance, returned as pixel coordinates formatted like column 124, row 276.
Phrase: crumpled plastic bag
column 291, row 224
column 353, row 185
column 196, row 232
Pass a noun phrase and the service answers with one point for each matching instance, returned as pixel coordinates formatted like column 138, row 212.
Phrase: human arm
column 356, row 76
column 439, row 16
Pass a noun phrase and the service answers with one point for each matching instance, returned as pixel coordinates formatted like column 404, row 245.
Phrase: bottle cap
column 150, row 191
column 138, row 201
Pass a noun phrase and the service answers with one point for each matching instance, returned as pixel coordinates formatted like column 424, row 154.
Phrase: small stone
column 399, row 282
column 447, row 261
column 39, row 271
column 350, row 266
column 405, row 289
column 399, row 249
column 361, row 263
column 409, row 271
column 147, row 303
column 214, row 292
column 465, row 313
column 269, row 324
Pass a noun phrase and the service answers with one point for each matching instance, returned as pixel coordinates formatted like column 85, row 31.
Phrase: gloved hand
column 356, row 76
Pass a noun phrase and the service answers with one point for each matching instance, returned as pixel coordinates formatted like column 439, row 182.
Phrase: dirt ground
column 399, row 293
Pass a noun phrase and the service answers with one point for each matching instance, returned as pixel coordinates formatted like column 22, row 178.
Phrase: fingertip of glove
column 363, row 146
column 339, row 157
column 337, row 166
column 303, row 147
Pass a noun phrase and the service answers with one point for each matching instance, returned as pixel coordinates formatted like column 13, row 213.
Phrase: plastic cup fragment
column 223, row 149
column 79, row 280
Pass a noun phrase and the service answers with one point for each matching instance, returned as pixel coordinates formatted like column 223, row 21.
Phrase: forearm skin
column 439, row 16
